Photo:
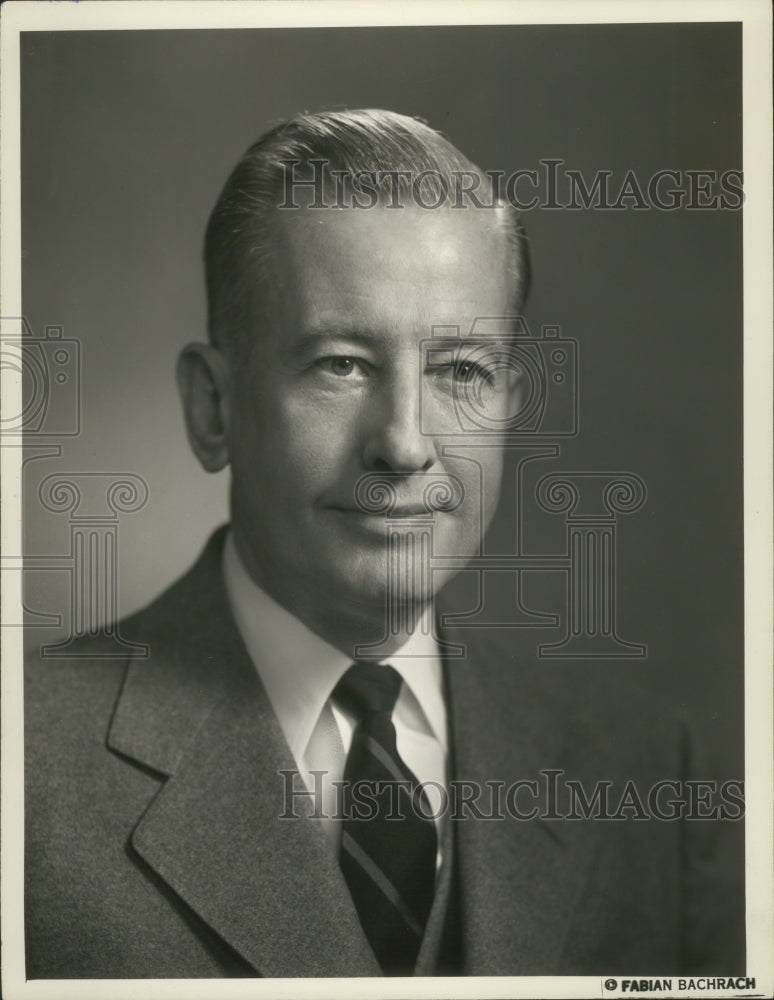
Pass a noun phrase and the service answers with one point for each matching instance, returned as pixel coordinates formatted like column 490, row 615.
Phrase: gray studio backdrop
column 127, row 138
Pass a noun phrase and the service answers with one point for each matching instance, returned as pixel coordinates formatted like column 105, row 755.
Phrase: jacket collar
column 194, row 656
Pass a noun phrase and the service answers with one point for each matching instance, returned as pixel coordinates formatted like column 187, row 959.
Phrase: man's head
column 318, row 373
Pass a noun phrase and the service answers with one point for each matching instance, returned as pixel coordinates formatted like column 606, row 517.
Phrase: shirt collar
column 299, row 669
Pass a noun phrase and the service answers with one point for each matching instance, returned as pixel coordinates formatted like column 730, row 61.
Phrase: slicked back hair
column 392, row 150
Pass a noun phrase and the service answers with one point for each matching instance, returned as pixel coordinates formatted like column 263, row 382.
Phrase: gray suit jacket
column 154, row 848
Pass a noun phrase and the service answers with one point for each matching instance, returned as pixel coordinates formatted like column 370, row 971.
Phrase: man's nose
column 394, row 440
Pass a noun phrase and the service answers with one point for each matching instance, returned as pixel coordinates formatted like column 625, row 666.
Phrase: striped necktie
column 388, row 847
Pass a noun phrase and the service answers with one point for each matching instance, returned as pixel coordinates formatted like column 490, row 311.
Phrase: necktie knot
column 368, row 689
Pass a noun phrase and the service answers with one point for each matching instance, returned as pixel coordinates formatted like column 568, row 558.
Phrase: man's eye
column 339, row 365
column 469, row 371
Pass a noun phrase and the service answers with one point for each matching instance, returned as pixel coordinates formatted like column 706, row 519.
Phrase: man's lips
column 408, row 510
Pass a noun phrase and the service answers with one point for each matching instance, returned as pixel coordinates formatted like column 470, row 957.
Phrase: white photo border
column 755, row 17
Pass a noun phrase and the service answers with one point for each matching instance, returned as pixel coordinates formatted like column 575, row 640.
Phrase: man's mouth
column 406, row 511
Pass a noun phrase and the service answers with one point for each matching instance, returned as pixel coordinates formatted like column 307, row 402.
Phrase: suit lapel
column 520, row 880
column 197, row 712
column 269, row 886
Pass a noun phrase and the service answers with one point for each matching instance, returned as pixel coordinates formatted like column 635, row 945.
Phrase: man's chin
column 365, row 592
column 379, row 575
column 375, row 586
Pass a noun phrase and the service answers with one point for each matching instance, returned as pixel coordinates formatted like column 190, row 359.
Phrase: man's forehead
column 410, row 245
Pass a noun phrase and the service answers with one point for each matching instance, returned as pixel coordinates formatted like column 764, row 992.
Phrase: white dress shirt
column 299, row 671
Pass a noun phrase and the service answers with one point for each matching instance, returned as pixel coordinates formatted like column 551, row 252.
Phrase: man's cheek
column 318, row 437
column 312, row 459
column 480, row 473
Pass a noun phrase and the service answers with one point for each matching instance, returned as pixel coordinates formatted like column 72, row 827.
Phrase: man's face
column 339, row 386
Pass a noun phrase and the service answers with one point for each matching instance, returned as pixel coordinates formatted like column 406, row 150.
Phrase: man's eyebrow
column 504, row 338
column 314, row 337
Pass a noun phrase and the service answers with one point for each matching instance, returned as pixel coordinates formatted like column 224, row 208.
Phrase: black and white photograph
column 386, row 527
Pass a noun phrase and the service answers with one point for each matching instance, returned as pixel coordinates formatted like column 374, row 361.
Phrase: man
column 287, row 786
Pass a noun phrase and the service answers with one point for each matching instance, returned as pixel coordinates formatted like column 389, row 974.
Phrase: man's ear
column 204, row 383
